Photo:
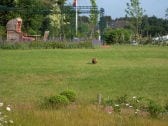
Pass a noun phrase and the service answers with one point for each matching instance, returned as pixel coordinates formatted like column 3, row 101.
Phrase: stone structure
column 14, row 32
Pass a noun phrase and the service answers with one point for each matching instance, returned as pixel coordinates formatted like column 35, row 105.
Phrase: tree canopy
column 41, row 15
column 166, row 13
column 136, row 13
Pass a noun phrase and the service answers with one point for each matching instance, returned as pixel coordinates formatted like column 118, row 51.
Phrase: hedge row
column 45, row 45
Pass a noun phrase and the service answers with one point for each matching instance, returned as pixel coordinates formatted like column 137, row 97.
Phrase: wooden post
column 99, row 98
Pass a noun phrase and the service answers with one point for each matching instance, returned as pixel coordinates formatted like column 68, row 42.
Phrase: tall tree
column 166, row 13
column 55, row 19
column 6, row 15
column 136, row 12
column 83, row 26
column 60, row 19
column 31, row 15
column 93, row 17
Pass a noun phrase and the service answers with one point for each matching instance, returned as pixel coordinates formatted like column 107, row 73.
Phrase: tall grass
column 80, row 116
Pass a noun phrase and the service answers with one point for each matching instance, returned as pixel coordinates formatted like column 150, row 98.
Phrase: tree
column 136, row 13
column 32, row 19
column 6, row 15
column 93, row 17
column 83, row 26
column 36, row 14
column 166, row 13
column 55, row 20
column 153, row 26
column 61, row 21
column 108, row 20
column 68, row 24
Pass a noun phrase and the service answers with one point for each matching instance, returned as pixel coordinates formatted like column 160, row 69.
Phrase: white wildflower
column 127, row 104
column 11, row 121
column 8, row 108
column 134, row 97
column 130, row 106
column 116, row 105
column 136, row 112
column 1, row 104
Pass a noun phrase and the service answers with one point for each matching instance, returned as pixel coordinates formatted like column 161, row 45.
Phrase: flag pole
column 76, row 18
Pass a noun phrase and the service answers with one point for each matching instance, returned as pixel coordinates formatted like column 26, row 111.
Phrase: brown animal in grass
column 94, row 60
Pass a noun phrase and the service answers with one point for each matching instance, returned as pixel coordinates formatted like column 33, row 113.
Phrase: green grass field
column 27, row 76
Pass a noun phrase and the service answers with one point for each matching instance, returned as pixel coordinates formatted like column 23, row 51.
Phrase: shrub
column 117, row 108
column 154, row 109
column 57, row 101
column 137, row 102
column 166, row 107
column 71, row 95
column 113, row 36
column 122, row 99
column 109, row 102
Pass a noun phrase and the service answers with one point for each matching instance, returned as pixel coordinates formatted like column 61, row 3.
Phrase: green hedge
column 45, row 45
column 57, row 101
column 71, row 95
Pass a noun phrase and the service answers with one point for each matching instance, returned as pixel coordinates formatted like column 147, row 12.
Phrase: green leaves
column 93, row 17
column 136, row 12
column 113, row 36
column 166, row 13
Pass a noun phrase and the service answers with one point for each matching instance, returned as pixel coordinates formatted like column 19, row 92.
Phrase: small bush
column 113, row 36
column 57, row 101
column 71, row 95
column 137, row 102
column 166, row 107
column 109, row 102
column 154, row 109
column 122, row 99
column 117, row 108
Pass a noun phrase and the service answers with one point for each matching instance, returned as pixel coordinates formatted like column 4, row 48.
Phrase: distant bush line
column 45, row 45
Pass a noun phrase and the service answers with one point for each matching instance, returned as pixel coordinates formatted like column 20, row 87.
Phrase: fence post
column 99, row 98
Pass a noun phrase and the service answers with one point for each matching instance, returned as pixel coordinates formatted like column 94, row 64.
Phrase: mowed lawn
column 29, row 75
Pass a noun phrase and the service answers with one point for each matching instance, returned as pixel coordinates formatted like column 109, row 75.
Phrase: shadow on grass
column 90, row 63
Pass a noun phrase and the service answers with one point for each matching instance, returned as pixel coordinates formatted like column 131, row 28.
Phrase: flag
column 74, row 3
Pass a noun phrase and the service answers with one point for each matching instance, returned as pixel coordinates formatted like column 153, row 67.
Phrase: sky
column 116, row 8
